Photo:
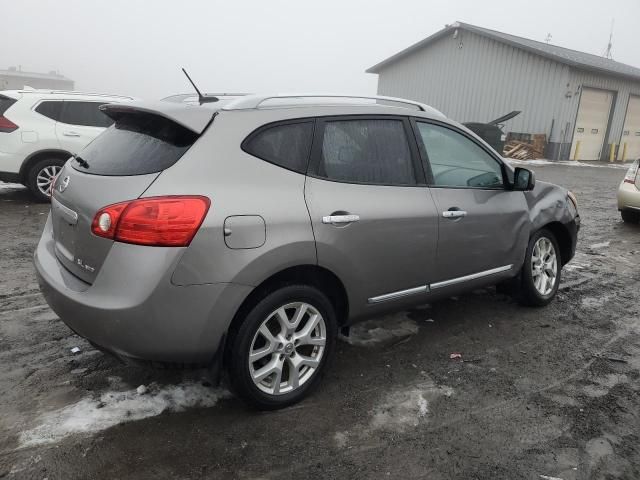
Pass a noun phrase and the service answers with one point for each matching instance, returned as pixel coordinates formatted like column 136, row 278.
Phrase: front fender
column 548, row 203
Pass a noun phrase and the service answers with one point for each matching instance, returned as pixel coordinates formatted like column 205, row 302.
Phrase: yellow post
column 612, row 153
column 576, row 151
column 624, row 152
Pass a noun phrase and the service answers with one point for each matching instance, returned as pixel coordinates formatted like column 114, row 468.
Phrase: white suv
column 41, row 129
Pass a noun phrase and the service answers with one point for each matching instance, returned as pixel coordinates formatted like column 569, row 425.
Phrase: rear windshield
column 136, row 144
column 5, row 103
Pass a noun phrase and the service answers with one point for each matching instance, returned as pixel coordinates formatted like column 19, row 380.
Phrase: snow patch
column 341, row 439
column 381, row 330
column 569, row 163
column 406, row 408
column 10, row 186
column 112, row 408
column 595, row 302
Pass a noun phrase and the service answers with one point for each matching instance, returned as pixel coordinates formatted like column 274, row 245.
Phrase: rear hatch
column 119, row 165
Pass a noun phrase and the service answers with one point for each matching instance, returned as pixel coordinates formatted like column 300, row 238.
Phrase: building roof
column 574, row 58
column 47, row 76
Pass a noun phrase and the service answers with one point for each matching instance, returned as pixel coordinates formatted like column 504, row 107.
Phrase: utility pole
column 608, row 52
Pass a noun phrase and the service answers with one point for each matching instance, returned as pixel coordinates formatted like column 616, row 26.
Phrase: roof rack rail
column 255, row 101
column 71, row 92
column 179, row 97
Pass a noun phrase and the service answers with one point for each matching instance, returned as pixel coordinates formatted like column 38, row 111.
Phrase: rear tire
column 629, row 216
column 540, row 275
column 41, row 175
column 270, row 340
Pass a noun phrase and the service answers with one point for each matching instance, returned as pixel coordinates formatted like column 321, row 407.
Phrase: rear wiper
column 83, row 163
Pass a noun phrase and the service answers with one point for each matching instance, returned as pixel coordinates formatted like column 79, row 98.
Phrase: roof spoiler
column 193, row 118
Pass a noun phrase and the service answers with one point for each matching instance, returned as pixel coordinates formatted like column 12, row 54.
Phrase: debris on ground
column 611, row 358
column 75, row 350
column 521, row 151
column 142, row 390
column 455, row 355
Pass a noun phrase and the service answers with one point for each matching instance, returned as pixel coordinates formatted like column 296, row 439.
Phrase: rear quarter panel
column 239, row 184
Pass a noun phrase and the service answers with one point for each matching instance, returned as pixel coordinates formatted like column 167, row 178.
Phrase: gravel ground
column 541, row 393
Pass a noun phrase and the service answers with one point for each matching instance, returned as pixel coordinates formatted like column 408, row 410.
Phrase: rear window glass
column 50, row 109
column 5, row 103
column 284, row 145
column 137, row 144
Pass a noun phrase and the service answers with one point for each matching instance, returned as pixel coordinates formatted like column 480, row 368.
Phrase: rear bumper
column 133, row 310
column 628, row 197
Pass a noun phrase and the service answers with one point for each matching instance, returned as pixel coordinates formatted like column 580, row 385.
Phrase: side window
column 367, row 151
column 457, row 161
column 84, row 113
column 285, row 145
column 50, row 109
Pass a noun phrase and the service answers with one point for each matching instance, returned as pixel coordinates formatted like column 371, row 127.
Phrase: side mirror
column 523, row 179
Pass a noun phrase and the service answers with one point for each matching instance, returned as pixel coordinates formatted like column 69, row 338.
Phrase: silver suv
column 243, row 236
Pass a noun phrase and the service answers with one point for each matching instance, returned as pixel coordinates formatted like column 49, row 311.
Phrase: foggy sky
column 137, row 47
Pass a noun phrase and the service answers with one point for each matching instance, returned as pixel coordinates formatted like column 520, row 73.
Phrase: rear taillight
column 632, row 173
column 156, row 221
column 6, row 125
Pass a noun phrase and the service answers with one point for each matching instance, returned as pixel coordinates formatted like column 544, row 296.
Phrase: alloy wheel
column 287, row 349
column 544, row 266
column 45, row 178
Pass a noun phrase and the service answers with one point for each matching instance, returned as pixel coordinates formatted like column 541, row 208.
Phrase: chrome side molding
column 427, row 288
column 473, row 276
column 399, row 294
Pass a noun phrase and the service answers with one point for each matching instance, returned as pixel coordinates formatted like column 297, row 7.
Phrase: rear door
column 483, row 226
column 79, row 123
column 374, row 221
column 118, row 166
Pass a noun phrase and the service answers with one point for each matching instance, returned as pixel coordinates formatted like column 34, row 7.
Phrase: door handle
column 70, row 134
column 340, row 219
column 454, row 214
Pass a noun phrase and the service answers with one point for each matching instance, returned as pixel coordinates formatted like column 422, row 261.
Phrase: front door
column 484, row 226
column 373, row 218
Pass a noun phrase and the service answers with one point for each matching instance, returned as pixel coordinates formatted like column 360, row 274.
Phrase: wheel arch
column 35, row 157
column 313, row 275
column 563, row 237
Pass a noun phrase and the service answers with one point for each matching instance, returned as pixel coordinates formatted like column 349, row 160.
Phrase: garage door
column 631, row 130
column 591, row 124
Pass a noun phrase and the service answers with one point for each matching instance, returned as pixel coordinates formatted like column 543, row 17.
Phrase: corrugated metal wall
column 474, row 78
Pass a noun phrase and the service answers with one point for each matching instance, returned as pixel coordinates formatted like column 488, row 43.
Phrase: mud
column 540, row 393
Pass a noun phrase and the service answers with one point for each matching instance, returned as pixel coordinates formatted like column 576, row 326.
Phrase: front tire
column 40, row 177
column 279, row 352
column 540, row 275
column 629, row 216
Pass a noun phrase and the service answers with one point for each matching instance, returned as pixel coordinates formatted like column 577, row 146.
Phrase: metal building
column 16, row 79
column 582, row 102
